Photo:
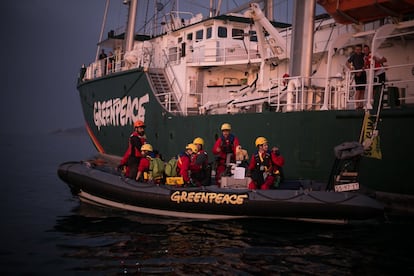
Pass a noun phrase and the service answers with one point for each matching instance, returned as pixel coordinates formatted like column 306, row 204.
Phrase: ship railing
column 104, row 67
column 401, row 86
column 295, row 94
column 221, row 52
column 308, row 94
column 300, row 93
column 177, row 92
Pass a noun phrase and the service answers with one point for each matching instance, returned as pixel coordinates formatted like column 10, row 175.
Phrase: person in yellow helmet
column 132, row 155
column 144, row 162
column 199, row 166
column 184, row 161
column 261, row 167
column 225, row 151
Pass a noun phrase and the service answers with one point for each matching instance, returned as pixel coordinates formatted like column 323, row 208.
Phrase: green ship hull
column 306, row 138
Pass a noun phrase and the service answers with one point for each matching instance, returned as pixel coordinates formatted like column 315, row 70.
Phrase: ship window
column 199, row 35
column 237, row 33
column 172, row 53
column 222, row 31
column 190, row 36
column 183, row 49
column 209, row 32
column 253, row 35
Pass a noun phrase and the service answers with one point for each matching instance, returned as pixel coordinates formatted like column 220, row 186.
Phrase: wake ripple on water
column 113, row 244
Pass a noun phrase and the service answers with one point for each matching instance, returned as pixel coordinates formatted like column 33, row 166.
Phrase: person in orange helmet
column 132, row 155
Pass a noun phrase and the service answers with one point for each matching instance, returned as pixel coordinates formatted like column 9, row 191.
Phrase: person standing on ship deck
column 356, row 62
column 103, row 59
column 132, row 155
column 225, row 151
column 111, row 63
column 379, row 73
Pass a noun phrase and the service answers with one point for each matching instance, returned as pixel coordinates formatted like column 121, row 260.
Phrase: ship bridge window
column 237, row 33
column 199, row 35
column 253, row 36
column 222, row 32
column 209, row 32
column 190, row 36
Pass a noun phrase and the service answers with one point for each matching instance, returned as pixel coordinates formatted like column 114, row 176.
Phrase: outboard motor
column 344, row 174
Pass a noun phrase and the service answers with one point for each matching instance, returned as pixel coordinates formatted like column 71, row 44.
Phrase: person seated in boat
column 278, row 161
column 144, row 163
column 261, row 167
column 199, row 166
column 132, row 155
column 225, row 151
column 183, row 163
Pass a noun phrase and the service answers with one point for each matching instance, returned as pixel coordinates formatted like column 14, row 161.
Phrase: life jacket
column 200, row 173
column 180, row 159
column 136, row 141
column 227, row 144
column 195, row 157
column 262, row 163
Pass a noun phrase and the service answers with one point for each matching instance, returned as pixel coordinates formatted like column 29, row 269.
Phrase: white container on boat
column 239, row 173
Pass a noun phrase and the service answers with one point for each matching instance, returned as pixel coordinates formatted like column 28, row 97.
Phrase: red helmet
column 139, row 123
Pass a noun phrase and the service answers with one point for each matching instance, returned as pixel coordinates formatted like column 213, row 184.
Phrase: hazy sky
column 44, row 43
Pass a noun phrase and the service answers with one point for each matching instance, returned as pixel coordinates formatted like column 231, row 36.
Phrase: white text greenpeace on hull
column 119, row 111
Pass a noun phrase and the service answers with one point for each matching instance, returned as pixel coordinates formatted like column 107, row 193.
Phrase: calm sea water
column 46, row 231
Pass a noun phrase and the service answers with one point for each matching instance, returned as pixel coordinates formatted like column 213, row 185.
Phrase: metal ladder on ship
column 163, row 91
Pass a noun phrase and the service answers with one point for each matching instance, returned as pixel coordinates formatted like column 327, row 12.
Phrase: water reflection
column 114, row 243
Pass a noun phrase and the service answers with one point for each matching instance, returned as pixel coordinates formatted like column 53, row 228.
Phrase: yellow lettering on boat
column 197, row 197
column 184, row 196
column 226, row 199
column 208, row 197
column 190, row 197
column 240, row 199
